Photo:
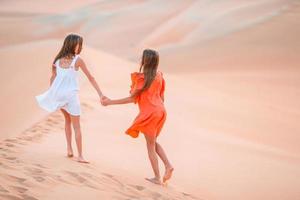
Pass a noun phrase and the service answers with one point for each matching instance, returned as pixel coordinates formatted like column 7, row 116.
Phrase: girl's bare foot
column 70, row 153
column 154, row 180
column 168, row 174
column 82, row 160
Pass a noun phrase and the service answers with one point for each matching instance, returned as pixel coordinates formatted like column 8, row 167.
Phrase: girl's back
column 67, row 76
column 151, row 98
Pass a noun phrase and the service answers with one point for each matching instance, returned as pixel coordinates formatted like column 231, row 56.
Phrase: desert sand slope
column 35, row 159
column 33, row 165
column 268, row 45
column 259, row 68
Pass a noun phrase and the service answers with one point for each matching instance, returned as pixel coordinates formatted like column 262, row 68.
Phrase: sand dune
column 36, row 175
column 232, row 73
column 24, row 176
column 197, row 23
column 42, row 7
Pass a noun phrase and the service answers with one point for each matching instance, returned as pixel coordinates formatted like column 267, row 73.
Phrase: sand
column 232, row 98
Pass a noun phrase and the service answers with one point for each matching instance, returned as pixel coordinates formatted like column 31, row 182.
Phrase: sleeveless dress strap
column 57, row 63
column 74, row 61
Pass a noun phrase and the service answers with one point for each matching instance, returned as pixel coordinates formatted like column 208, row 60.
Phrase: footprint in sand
column 34, row 130
column 47, row 129
column 9, row 197
column 7, row 150
column 138, row 187
column 50, row 120
column 10, row 158
column 91, row 176
column 84, row 181
column 9, row 145
column 38, row 178
column 22, row 194
column 108, row 175
column 36, row 173
column 3, row 155
column 59, row 178
column 26, row 138
column 76, row 176
column 41, row 166
column 33, row 138
column 15, row 179
column 11, row 140
column 14, row 141
column 155, row 195
column 189, row 195
column 95, row 179
column 5, row 166
column 2, row 189
column 27, row 197
column 114, row 179
column 19, row 189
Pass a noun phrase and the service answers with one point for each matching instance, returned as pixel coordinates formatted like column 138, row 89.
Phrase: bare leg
column 76, row 125
column 151, row 141
column 68, row 132
column 169, row 168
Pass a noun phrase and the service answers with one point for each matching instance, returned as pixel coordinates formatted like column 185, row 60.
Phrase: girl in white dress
column 64, row 87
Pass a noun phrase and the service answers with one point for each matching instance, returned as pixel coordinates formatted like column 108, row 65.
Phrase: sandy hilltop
column 232, row 69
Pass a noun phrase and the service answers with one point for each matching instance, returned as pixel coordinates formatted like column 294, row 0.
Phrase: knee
column 151, row 143
column 76, row 128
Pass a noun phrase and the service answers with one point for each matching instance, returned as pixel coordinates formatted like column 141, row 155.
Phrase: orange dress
column 152, row 114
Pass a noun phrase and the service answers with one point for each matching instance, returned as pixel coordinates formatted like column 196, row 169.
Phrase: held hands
column 105, row 101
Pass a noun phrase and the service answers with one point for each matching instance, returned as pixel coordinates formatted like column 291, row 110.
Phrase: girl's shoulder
column 137, row 76
column 78, row 61
column 159, row 73
column 141, row 75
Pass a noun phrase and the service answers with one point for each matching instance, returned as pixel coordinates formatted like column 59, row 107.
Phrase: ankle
column 169, row 166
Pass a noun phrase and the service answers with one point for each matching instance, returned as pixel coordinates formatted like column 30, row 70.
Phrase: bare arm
column 92, row 80
column 125, row 100
column 53, row 74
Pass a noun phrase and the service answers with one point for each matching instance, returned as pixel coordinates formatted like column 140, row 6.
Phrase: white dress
column 63, row 93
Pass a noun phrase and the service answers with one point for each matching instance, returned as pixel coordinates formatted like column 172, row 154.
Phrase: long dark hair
column 149, row 65
column 69, row 46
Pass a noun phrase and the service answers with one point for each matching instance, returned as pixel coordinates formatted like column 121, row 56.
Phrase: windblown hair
column 69, row 46
column 149, row 65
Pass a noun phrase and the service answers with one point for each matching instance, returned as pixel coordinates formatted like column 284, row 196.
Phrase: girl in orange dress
column 147, row 90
